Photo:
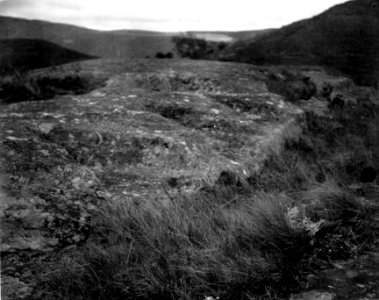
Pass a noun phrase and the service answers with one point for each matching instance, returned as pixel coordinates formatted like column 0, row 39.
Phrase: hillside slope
column 345, row 37
column 31, row 54
column 107, row 44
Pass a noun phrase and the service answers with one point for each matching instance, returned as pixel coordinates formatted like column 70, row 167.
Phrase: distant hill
column 31, row 54
column 345, row 37
column 107, row 44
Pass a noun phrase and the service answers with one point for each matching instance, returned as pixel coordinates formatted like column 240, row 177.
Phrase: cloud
column 167, row 15
column 9, row 5
column 42, row 9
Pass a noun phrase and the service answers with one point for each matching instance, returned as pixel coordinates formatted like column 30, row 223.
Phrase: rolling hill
column 31, row 54
column 107, row 44
column 345, row 37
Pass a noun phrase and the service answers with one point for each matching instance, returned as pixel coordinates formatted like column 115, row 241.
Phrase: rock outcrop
column 156, row 129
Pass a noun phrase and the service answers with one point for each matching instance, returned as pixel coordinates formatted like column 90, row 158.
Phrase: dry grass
column 350, row 225
column 192, row 248
column 260, row 245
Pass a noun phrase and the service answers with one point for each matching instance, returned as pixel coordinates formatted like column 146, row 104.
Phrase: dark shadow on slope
column 19, row 85
column 27, row 54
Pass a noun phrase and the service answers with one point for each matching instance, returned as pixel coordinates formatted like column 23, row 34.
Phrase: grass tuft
column 193, row 247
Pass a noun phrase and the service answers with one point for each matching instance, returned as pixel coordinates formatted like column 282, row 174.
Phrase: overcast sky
column 168, row 15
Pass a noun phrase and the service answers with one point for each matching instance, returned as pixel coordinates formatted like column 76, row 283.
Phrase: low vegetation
column 291, row 85
column 164, row 55
column 189, row 46
column 240, row 238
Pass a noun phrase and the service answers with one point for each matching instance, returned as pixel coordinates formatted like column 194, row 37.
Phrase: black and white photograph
column 189, row 150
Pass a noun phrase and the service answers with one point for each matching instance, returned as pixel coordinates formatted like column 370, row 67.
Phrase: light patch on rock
column 32, row 240
column 13, row 288
column 15, row 139
column 136, row 112
column 17, row 115
column 46, row 127
column 58, row 116
column 313, row 295
column 253, row 117
column 215, row 111
column 97, row 94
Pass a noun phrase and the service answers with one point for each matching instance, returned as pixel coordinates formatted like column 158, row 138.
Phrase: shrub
column 292, row 86
column 195, row 48
column 162, row 55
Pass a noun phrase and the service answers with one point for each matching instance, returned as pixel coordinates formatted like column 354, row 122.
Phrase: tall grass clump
column 350, row 223
column 189, row 249
column 258, row 246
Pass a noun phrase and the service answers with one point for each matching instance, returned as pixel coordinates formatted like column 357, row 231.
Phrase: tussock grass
column 260, row 245
column 288, row 172
column 189, row 249
column 350, row 225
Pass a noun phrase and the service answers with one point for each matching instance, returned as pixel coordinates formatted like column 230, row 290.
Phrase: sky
column 168, row 15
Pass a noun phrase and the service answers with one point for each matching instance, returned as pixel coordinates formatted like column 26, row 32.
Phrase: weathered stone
column 13, row 288
column 32, row 240
column 164, row 125
column 313, row 295
column 46, row 127
column 45, row 152
column 29, row 217
column 15, row 139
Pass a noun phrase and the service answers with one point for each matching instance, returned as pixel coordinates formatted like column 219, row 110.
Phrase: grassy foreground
column 200, row 247
column 254, row 238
